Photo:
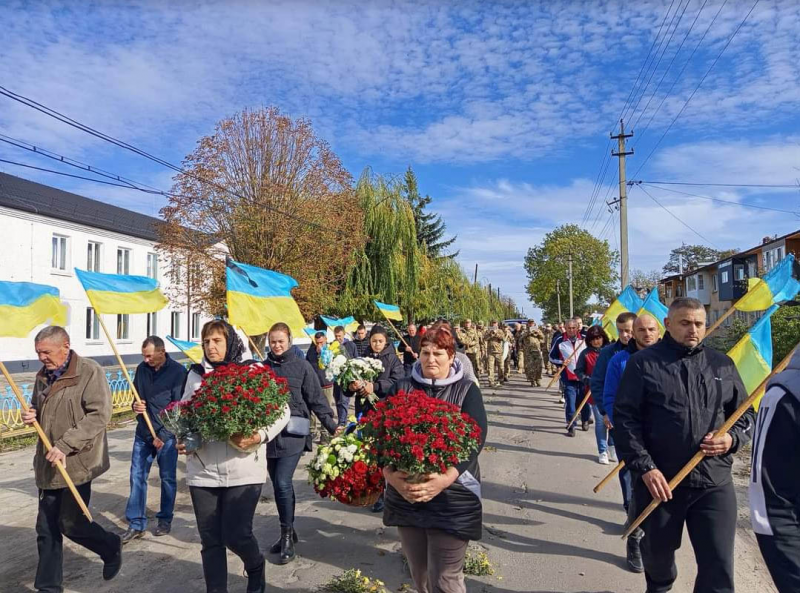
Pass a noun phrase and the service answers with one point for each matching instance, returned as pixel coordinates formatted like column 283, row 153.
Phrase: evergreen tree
column 430, row 227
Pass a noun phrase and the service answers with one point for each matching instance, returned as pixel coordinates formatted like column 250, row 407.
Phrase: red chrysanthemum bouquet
column 238, row 400
column 420, row 435
column 346, row 470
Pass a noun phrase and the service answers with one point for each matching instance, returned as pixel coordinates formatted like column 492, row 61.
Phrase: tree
column 430, row 227
column 594, row 265
column 268, row 191
column 693, row 256
column 645, row 281
column 785, row 332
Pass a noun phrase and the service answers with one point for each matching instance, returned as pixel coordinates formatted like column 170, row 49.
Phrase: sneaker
column 612, row 455
column 561, row 400
column 584, row 426
column 571, row 432
column 603, row 459
column 590, row 421
column 634, row 555
column 162, row 529
column 132, row 534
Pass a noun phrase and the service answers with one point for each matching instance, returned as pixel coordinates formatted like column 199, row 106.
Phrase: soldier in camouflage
column 548, row 340
column 468, row 336
column 481, row 348
column 532, row 341
column 494, row 338
column 509, row 338
column 520, row 330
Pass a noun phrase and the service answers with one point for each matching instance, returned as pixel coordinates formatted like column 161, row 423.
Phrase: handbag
column 298, row 426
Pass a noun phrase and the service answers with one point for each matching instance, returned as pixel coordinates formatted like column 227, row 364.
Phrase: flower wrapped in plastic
column 359, row 371
column 177, row 418
column 346, row 470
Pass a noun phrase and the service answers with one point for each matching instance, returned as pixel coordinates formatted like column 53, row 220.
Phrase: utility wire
column 742, row 204
column 766, row 185
column 675, row 216
column 598, row 184
column 730, row 39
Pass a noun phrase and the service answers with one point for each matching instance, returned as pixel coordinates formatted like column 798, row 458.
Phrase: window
column 767, row 260
column 714, row 286
column 195, row 326
column 93, row 257
column 700, row 282
column 152, row 324
column 123, row 327
column 668, row 290
column 92, row 325
column 778, row 254
column 738, row 272
column 59, row 259
column 175, row 325
column 691, row 283
column 724, row 278
column 679, row 291
column 123, row 260
column 152, row 266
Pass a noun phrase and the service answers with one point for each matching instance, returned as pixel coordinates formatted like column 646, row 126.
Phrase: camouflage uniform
column 494, row 337
column 509, row 337
column 520, row 348
column 469, row 338
column 481, row 350
column 548, row 339
column 532, row 340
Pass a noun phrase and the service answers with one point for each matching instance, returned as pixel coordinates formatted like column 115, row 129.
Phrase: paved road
column 544, row 528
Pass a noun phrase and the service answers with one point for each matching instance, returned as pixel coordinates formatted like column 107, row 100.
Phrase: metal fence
column 11, row 412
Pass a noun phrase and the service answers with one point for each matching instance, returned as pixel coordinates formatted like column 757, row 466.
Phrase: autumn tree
column 691, row 257
column 593, row 270
column 644, row 281
column 267, row 190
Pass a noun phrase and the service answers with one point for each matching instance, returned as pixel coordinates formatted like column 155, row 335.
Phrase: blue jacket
column 599, row 373
column 158, row 389
column 614, row 375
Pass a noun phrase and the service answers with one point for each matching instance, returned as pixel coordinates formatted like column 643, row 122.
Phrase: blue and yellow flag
column 781, row 283
column 348, row 323
column 259, row 298
column 192, row 350
column 628, row 300
column 654, row 307
column 752, row 355
column 114, row 293
column 24, row 305
column 311, row 332
column 389, row 311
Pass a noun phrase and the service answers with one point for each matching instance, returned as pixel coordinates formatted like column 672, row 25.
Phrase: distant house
column 48, row 232
column 720, row 284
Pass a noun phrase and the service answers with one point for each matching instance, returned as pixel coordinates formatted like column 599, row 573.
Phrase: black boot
column 257, row 579
column 287, row 545
column 276, row 547
column 634, row 554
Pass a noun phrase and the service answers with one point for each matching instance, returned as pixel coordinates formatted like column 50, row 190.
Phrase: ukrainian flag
column 349, row 323
column 628, row 300
column 654, row 307
column 192, row 350
column 389, row 311
column 24, row 305
column 781, row 283
column 114, row 293
column 311, row 332
column 752, row 355
column 259, row 298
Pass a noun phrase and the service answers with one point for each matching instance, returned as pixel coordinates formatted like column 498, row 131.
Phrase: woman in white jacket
column 225, row 482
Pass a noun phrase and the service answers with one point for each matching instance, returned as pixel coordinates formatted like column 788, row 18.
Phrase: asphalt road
column 545, row 531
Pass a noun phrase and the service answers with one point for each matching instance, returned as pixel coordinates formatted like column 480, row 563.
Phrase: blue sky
column 502, row 108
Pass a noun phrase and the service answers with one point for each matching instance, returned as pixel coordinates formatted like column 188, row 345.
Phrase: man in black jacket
column 775, row 481
column 411, row 352
column 671, row 399
column 361, row 342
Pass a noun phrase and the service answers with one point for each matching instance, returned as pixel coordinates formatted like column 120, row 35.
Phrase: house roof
column 29, row 196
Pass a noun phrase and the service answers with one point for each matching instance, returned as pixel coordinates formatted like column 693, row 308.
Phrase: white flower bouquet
column 357, row 370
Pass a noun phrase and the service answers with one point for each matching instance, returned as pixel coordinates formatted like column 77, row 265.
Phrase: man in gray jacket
column 72, row 402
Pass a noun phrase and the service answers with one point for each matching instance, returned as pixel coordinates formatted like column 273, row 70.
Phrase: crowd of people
column 654, row 401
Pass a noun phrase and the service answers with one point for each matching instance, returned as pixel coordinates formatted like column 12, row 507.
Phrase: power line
column 16, row 164
column 675, row 216
column 730, row 39
column 742, row 204
column 766, row 185
column 598, row 184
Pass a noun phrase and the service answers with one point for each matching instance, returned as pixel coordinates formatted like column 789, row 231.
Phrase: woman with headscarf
column 284, row 452
column 437, row 518
column 225, row 482
column 381, row 348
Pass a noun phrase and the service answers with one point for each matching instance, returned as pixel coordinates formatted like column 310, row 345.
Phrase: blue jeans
column 281, row 471
column 601, row 434
column 342, row 404
column 573, row 393
column 626, row 484
column 142, row 458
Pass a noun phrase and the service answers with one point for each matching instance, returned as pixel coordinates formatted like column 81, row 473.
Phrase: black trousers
column 710, row 518
column 782, row 555
column 225, row 520
column 59, row 515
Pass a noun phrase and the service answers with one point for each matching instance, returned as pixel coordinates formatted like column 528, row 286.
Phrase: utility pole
column 623, row 202
column 475, row 281
column 571, row 308
column 558, row 294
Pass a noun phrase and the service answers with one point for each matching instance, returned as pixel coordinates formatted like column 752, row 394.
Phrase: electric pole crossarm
column 621, row 153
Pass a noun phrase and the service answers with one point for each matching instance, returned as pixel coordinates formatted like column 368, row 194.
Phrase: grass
column 477, row 564
column 352, row 581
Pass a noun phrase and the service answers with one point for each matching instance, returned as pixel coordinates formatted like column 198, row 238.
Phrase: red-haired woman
column 596, row 338
column 437, row 518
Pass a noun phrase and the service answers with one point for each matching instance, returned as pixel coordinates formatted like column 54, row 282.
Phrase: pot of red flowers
column 240, row 400
column 419, row 435
column 346, row 470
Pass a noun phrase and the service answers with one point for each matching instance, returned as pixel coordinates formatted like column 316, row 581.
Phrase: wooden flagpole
column 125, row 372
column 699, row 456
column 561, row 370
column 608, row 478
column 580, row 407
column 47, row 445
column 389, row 321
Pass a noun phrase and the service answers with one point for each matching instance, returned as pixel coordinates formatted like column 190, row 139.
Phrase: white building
column 48, row 232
